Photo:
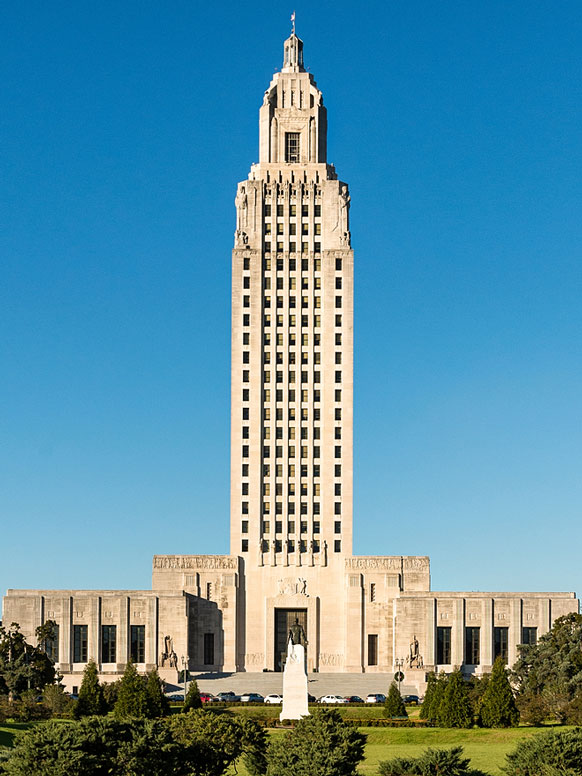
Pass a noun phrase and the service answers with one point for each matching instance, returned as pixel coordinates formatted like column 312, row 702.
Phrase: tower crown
column 293, row 55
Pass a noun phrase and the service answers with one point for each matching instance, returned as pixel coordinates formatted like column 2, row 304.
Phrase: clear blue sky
column 124, row 130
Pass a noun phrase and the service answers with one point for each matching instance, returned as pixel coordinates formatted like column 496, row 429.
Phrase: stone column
column 486, row 646
column 65, row 647
column 151, row 633
column 545, row 622
column 353, row 638
column 514, row 629
column 458, row 632
column 122, row 633
column 94, row 629
column 429, row 656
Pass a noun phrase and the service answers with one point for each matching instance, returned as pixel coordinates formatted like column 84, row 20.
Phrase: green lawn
column 9, row 729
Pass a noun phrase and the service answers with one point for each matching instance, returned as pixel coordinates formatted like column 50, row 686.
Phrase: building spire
column 293, row 52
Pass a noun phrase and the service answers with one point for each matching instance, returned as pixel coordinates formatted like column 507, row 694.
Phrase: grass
column 9, row 730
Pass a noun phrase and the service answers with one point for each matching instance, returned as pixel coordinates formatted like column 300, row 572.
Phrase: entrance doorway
column 284, row 619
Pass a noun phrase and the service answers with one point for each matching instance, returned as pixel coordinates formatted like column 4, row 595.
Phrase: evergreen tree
column 394, row 705
column 131, row 698
column 455, row 709
column 157, row 703
column 91, row 700
column 192, row 699
column 498, row 708
column 438, row 695
column 425, row 709
column 320, row 745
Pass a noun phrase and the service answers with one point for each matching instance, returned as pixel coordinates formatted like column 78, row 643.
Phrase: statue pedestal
column 294, row 684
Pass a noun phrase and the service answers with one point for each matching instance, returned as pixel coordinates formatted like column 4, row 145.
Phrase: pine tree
column 498, row 708
column 91, row 699
column 394, row 705
column 426, row 708
column 157, row 703
column 455, row 709
column 192, row 699
column 131, row 698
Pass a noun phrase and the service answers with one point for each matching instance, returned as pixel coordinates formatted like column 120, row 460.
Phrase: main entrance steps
column 318, row 684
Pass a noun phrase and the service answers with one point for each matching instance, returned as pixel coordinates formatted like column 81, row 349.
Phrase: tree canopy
column 24, row 666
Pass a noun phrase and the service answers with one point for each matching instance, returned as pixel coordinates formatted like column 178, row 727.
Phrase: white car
column 376, row 698
column 274, row 698
column 332, row 699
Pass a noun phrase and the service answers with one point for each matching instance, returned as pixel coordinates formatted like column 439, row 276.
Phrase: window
column 337, row 545
column 304, row 266
column 316, row 432
column 338, row 320
column 246, row 319
column 246, row 301
column 304, row 210
column 292, row 263
column 337, row 526
column 501, row 643
column 338, row 470
column 291, row 527
column 245, row 488
column 372, row 591
column 304, row 247
column 338, row 489
column 304, row 228
column 108, row 643
column 338, row 451
column 279, row 231
column 443, row 646
column 245, row 451
column 278, row 525
column 51, row 646
column 338, row 339
column 80, row 643
column 267, row 210
column 317, row 324
column 244, row 526
column 317, row 211
column 292, row 228
column 245, row 470
column 292, row 210
column 244, row 545
column 290, row 545
column 246, row 263
column 316, row 508
column 246, row 356
column 317, row 228
column 266, row 451
column 279, row 211
column 529, row 635
column 316, row 395
column 303, row 505
column 338, row 358
column 372, row 649
column 246, row 282
column 303, row 526
column 316, row 527
column 245, row 507
column 338, row 432
column 338, row 395
column 338, row 284
column 291, row 151
column 209, row 649
column 472, row 646
column 338, row 265
column 266, row 526
column 137, row 643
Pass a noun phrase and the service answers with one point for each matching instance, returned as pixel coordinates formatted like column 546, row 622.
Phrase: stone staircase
column 319, row 684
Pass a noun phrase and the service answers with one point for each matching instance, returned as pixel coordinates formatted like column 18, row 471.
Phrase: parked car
column 375, row 697
column 354, row 699
column 311, row 698
column 274, row 698
column 176, row 697
column 331, row 699
column 227, row 697
column 206, row 697
column 251, row 697
column 411, row 699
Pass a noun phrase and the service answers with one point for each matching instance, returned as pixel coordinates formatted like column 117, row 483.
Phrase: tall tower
column 292, row 348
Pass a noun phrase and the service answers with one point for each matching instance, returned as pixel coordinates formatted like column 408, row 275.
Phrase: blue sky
column 124, row 129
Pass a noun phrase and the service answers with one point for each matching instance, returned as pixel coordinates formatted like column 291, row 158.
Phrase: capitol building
column 291, row 481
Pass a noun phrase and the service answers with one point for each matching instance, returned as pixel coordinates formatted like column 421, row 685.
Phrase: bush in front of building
column 132, row 700
column 444, row 762
column 553, row 753
column 192, row 699
column 394, row 705
column 454, row 711
column 319, row 745
column 91, row 701
column 498, row 708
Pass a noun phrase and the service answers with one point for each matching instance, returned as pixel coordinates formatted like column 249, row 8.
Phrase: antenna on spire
column 293, row 23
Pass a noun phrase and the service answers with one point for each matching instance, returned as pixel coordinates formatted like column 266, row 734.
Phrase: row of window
column 304, row 248
column 291, row 357
column 280, row 210
column 472, row 653
column 108, row 644
column 291, row 432
column 279, row 339
column 303, row 470
column 304, row 508
column 291, row 525
column 278, row 489
column 292, row 301
column 292, row 283
column 292, row 228
column 291, row 545
column 291, row 376
column 291, row 414
column 304, row 395
column 472, row 638
column 292, row 322
column 291, row 451
column 280, row 264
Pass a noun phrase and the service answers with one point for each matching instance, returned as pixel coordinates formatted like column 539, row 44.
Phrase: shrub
column 394, row 705
column 91, row 699
column 498, row 707
column 157, row 705
column 56, row 700
column 192, row 699
column 131, row 699
column 547, row 754
column 319, row 745
column 433, row 762
column 455, row 710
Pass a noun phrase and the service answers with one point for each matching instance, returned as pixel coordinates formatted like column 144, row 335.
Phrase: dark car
column 411, row 699
column 251, row 697
column 227, row 697
column 354, row 699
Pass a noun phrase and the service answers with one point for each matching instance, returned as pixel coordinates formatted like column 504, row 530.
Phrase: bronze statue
column 297, row 634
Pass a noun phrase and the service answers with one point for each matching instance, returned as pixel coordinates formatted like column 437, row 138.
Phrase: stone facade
column 291, row 471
